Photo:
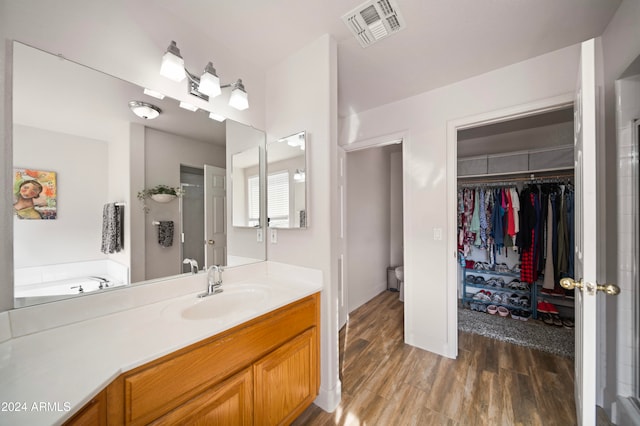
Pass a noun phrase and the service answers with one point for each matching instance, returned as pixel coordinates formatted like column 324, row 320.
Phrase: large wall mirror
column 287, row 182
column 75, row 134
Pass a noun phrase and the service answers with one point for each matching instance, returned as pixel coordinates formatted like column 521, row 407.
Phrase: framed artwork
column 34, row 194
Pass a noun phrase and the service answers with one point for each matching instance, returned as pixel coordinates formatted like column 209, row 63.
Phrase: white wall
column 423, row 120
column 396, row 249
column 302, row 95
column 75, row 235
column 164, row 153
column 368, row 223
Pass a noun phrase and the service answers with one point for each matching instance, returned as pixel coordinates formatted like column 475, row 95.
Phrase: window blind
column 253, row 203
column 278, row 205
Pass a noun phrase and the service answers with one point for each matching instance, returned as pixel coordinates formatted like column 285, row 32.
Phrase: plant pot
column 162, row 198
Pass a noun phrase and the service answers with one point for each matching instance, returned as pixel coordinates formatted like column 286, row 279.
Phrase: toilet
column 400, row 277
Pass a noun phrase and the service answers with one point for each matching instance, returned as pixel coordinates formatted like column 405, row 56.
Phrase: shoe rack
column 485, row 287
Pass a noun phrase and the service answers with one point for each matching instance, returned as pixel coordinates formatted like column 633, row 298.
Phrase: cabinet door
column 286, row 381
column 92, row 414
column 229, row 403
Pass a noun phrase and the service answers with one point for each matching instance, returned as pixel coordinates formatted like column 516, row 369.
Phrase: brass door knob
column 610, row 289
column 211, row 242
column 570, row 284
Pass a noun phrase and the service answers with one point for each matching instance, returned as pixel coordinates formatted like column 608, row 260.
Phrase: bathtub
column 66, row 287
column 47, row 283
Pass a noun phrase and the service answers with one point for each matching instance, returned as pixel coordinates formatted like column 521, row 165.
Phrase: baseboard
column 328, row 399
column 627, row 412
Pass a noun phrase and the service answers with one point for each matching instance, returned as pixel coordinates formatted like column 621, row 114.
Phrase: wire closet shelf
column 564, row 177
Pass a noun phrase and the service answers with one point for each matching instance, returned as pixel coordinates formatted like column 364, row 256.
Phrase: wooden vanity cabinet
column 92, row 414
column 263, row 372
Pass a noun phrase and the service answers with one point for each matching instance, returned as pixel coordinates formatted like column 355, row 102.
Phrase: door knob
column 570, row 284
column 610, row 289
column 211, row 242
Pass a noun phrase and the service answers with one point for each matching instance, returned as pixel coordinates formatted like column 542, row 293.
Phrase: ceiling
column 444, row 41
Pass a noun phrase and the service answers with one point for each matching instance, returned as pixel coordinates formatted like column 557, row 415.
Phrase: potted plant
column 160, row 193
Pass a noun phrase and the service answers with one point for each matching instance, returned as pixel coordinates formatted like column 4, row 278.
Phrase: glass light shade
column 144, row 110
column 239, row 99
column 217, row 117
column 172, row 67
column 209, row 82
column 188, row 106
column 153, row 93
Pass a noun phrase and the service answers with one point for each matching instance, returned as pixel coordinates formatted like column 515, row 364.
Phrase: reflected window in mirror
column 246, row 188
column 287, row 182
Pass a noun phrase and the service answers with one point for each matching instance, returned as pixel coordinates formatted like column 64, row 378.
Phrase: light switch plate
column 274, row 236
column 437, row 234
column 259, row 235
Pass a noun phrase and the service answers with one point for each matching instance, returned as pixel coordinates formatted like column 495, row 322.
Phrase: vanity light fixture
column 239, row 98
column 153, row 93
column 144, row 110
column 299, row 176
column 217, row 117
column 293, row 142
column 207, row 85
column 188, row 106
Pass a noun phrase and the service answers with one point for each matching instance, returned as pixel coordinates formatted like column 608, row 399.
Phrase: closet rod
column 556, row 178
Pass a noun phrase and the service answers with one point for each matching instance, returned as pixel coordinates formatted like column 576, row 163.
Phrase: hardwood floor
column 385, row 382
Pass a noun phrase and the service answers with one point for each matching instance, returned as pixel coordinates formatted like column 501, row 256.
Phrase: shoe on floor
column 567, row 323
column 547, row 319
column 556, row 320
column 542, row 307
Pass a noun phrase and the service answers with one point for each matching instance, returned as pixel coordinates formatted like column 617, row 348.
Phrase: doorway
column 516, row 229
column 454, row 288
column 373, row 217
column 192, row 215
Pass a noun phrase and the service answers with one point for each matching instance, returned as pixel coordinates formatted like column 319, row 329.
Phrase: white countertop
column 50, row 374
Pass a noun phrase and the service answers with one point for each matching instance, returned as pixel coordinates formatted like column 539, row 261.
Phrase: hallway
column 385, row 382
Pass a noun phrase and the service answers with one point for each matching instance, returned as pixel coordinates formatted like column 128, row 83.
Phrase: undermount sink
column 237, row 299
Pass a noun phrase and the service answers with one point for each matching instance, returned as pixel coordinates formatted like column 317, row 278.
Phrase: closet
column 515, row 217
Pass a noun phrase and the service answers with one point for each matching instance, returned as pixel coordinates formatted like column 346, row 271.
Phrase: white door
column 215, row 243
column 585, row 138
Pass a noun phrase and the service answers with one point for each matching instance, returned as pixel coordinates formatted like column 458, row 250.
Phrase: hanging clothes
column 549, row 279
column 537, row 221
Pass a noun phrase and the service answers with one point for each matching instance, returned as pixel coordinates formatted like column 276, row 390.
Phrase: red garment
column 511, row 224
column 526, row 262
column 527, row 270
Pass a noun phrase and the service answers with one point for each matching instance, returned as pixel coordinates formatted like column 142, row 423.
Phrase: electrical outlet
column 437, row 234
column 259, row 235
column 274, row 236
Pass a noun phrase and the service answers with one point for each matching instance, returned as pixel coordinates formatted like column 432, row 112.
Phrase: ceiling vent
column 373, row 21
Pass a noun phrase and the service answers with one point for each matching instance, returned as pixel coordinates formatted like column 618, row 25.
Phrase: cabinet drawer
column 154, row 389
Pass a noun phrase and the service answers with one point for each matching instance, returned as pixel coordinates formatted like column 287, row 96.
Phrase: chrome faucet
column 104, row 283
column 214, row 281
column 193, row 263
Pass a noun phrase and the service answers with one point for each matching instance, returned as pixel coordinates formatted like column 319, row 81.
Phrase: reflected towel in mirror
column 112, row 228
column 165, row 233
